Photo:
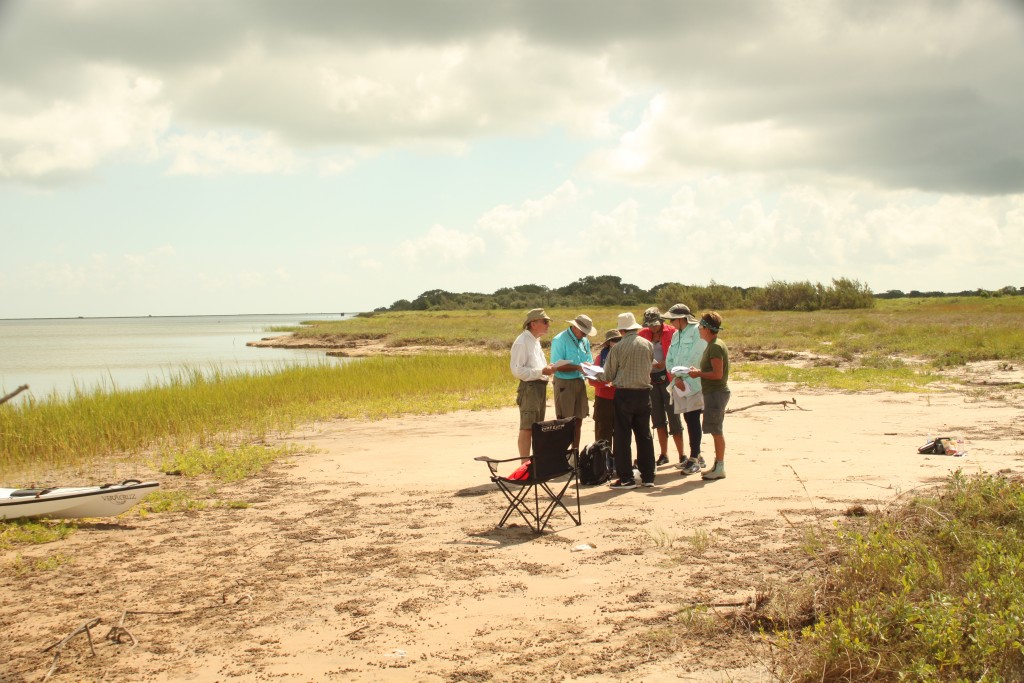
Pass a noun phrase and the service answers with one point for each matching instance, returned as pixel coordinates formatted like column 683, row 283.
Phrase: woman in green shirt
column 714, row 379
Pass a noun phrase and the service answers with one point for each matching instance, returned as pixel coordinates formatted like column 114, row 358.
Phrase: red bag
column 522, row 472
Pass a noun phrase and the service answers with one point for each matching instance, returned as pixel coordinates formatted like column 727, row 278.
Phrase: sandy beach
column 375, row 557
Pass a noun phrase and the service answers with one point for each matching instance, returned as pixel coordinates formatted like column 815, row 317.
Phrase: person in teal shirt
column 569, row 350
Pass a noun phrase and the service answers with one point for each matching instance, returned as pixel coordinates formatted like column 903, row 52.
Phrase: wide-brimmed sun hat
column 535, row 314
column 610, row 336
column 679, row 311
column 584, row 324
column 627, row 322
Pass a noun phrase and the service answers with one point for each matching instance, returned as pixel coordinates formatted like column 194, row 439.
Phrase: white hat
column 584, row 324
column 628, row 322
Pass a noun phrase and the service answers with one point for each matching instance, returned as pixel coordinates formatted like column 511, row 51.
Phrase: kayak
column 74, row 502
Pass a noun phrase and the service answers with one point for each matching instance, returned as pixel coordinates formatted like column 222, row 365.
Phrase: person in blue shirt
column 569, row 350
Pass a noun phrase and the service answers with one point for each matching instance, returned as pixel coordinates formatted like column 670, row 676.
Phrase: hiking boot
column 619, row 484
column 691, row 466
column 662, row 460
column 717, row 472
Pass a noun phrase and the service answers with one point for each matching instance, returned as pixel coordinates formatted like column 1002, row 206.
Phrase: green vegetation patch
column 226, row 464
column 929, row 592
column 20, row 566
column 32, row 532
column 898, row 379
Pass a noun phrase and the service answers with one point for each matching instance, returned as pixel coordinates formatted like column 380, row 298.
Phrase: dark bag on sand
column 595, row 463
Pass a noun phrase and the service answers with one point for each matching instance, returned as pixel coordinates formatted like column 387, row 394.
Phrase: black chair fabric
column 537, row 497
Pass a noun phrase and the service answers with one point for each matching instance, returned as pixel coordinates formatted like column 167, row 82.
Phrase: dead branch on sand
column 117, row 632
column 8, row 397
column 84, row 628
column 223, row 603
column 784, row 404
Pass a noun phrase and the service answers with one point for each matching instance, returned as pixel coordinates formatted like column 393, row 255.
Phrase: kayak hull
column 74, row 502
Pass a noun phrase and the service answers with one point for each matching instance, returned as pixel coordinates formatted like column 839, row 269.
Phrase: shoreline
column 359, row 348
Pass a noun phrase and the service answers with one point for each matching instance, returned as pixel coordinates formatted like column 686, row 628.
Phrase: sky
column 183, row 157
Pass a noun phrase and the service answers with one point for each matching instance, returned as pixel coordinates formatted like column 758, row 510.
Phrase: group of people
column 670, row 371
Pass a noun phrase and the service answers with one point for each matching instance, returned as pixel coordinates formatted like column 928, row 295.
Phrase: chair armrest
column 487, row 458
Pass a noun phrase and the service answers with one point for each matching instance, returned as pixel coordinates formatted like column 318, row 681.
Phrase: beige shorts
column 532, row 399
column 571, row 398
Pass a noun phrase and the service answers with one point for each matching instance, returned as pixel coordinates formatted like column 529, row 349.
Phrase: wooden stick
column 8, row 397
column 84, row 628
column 784, row 404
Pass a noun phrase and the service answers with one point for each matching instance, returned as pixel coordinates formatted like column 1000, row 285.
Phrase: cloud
column 441, row 244
column 747, row 233
column 43, row 139
column 921, row 94
column 218, row 153
column 507, row 223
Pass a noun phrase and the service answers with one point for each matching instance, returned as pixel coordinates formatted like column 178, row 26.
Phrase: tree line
column 610, row 290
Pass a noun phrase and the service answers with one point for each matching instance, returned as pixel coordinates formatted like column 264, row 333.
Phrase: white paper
column 591, row 371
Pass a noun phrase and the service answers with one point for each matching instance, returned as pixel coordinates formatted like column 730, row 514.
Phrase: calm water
column 58, row 355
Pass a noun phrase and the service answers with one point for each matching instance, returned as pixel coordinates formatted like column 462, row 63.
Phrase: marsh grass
column 198, row 410
column 701, row 541
column 928, row 592
column 183, row 501
column 947, row 331
column 660, row 537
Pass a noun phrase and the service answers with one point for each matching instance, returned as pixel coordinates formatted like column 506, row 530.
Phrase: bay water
column 60, row 356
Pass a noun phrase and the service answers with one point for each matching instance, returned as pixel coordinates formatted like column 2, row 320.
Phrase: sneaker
column 717, row 472
column 663, row 460
column 619, row 484
column 647, row 484
column 680, row 465
column 700, row 461
column 691, row 466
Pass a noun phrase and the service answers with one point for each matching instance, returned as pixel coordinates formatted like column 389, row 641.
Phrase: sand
column 375, row 557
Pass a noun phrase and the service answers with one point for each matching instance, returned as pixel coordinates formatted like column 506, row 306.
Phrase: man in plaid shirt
column 629, row 368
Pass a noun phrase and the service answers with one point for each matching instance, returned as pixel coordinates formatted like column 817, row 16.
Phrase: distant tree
column 847, row 293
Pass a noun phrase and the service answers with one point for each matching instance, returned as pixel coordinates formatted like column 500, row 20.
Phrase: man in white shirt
column 532, row 370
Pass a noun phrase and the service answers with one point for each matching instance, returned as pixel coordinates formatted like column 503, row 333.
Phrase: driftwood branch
column 784, row 404
column 119, row 632
column 84, row 628
column 8, row 397
column 246, row 598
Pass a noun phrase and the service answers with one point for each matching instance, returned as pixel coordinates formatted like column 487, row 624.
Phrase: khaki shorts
column 714, row 411
column 571, row 398
column 532, row 399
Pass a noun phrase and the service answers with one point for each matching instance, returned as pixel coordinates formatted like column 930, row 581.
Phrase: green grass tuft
column 226, row 464
column 32, row 532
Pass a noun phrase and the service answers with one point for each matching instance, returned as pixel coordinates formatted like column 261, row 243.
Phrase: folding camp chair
column 552, row 458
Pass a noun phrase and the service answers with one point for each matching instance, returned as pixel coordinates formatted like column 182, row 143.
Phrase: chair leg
column 530, row 510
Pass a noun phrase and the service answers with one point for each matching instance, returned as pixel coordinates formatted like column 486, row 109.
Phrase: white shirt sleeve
column 524, row 364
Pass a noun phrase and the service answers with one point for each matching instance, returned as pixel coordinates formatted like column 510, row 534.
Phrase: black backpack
column 595, row 463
